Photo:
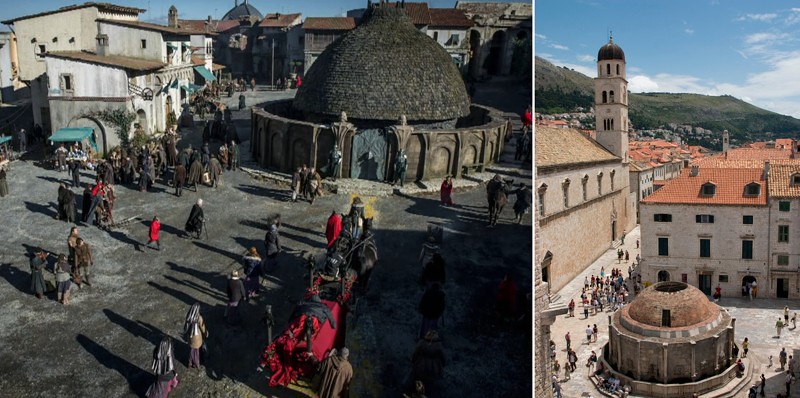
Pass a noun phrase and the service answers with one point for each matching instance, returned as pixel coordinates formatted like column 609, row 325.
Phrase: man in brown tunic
column 179, row 179
column 83, row 260
column 336, row 373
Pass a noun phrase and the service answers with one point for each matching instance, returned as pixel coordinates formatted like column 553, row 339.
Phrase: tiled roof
column 419, row 12
column 730, row 188
column 783, row 143
column 450, row 18
column 561, row 147
column 639, row 167
column 329, row 23
column 495, row 9
column 103, row 7
column 780, row 180
column 276, row 20
column 156, row 27
column 130, row 63
column 222, row 26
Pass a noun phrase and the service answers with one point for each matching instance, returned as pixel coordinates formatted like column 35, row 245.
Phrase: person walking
column 569, row 340
column 155, row 228
column 38, row 263
column 195, row 330
column 164, row 369
column 336, row 373
column 788, row 380
column 83, row 261
column 236, row 294
column 3, row 181
column 594, row 332
column 571, row 308
column 273, row 244
column 333, row 228
column 446, row 191
column 782, row 357
column 779, row 326
column 786, row 314
column 763, row 384
column 589, row 333
column 428, row 360
column 179, row 179
column 296, row 180
column 63, row 277
column 745, row 347
column 431, row 306
column 75, row 172
column 252, row 272
column 585, row 310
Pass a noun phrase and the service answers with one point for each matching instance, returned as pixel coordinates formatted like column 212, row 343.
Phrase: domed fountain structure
column 379, row 88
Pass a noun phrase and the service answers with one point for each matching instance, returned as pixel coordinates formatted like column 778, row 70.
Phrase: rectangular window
column 144, row 43
column 747, row 249
column 436, row 36
column 704, row 218
column 40, row 50
column 796, row 179
column 663, row 246
column 783, row 260
column 540, row 203
column 705, row 248
column 454, row 40
column 66, row 84
column 784, row 205
column 747, row 219
column 662, row 217
column 783, row 233
column 666, row 320
column 723, row 279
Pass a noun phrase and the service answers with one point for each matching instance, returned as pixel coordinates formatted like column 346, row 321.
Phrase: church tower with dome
column 611, row 100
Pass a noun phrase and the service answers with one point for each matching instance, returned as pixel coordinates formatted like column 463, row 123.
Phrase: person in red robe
column 527, row 120
column 447, row 191
column 299, row 81
column 507, row 297
column 155, row 228
column 334, row 228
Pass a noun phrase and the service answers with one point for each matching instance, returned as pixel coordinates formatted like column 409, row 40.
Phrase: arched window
column 600, row 184
column 605, row 97
column 584, row 180
column 617, row 69
column 612, row 178
column 565, row 187
column 608, row 69
column 540, row 199
column 611, row 96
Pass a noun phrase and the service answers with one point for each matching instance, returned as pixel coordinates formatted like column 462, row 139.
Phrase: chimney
column 102, row 44
column 694, row 171
column 726, row 145
column 208, row 24
column 172, row 17
column 794, row 149
column 765, row 175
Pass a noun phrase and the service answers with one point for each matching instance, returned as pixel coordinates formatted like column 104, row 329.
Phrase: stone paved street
column 754, row 320
column 101, row 343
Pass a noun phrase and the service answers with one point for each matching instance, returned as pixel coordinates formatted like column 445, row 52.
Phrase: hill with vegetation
column 559, row 89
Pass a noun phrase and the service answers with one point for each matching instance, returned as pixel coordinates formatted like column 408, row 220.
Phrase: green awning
column 205, row 73
column 172, row 46
column 191, row 88
column 74, row 134
column 174, row 84
column 3, row 140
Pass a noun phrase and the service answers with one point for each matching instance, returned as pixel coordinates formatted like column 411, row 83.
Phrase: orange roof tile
column 276, row 20
column 729, row 191
column 780, row 180
column 784, row 143
column 562, row 147
column 329, row 23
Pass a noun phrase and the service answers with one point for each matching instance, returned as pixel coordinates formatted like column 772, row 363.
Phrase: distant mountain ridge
column 559, row 89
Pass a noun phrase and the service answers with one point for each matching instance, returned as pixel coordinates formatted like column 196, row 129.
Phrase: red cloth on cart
column 287, row 357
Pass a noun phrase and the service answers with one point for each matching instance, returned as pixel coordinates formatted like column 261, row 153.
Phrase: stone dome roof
column 610, row 51
column 242, row 10
column 687, row 306
column 383, row 69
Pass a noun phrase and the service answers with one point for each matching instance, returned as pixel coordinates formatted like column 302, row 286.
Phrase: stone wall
column 280, row 141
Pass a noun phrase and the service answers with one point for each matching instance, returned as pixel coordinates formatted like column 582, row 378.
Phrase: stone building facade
column 497, row 26
column 671, row 341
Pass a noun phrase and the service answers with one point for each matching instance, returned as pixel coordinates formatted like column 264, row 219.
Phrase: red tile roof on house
column 730, row 188
column 783, row 143
column 276, row 20
column 137, row 64
column 780, row 180
column 419, row 12
column 749, row 154
column 197, row 24
column 226, row 25
column 329, row 23
column 156, row 27
column 449, row 18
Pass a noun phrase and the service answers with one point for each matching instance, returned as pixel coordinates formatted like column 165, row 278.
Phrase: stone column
column 694, row 359
column 665, row 362
column 341, row 130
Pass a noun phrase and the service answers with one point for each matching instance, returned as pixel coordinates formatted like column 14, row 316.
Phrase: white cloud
column 642, row 84
column 794, row 17
column 540, row 36
column 585, row 58
column 763, row 37
column 689, row 31
column 758, row 17
column 559, row 47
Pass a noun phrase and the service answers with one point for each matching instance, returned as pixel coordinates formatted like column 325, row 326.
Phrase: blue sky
column 200, row 9
column 747, row 49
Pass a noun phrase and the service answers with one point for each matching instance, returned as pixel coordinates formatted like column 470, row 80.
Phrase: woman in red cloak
column 447, row 191
column 334, row 228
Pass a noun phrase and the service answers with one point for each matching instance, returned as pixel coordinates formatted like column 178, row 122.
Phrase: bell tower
column 611, row 100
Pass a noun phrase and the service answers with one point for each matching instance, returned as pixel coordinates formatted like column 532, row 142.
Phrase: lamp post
column 272, row 67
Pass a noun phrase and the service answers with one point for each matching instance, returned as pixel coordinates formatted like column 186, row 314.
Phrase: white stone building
column 642, row 177
column 450, row 28
column 784, row 202
column 68, row 28
column 709, row 227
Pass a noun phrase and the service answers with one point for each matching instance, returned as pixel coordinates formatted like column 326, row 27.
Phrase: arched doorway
column 142, row 120
column 100, row 137
column 494, row 62
column 663, row 276
column 747, row 282
column 475, row 52
column 548, row 258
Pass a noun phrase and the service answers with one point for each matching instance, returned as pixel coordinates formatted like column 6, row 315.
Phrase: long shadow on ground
column 137, row 378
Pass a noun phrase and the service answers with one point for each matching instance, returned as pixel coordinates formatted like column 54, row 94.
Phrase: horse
column 348, row 256
column 366, row 256
column 497, row 192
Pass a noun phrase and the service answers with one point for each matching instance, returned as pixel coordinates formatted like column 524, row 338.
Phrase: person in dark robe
column 3, row 182
column 96, row 200
column 61, row 204
column 69, row 205
column 400, row 167
column 172, row 150
column 205, row 154
column 356, row 217
column 334, row 228
column 164, row 369
column 127, row 171
column 431, row 306
column 183, row 158
column 194, row 225
column 38, row 264
column 428, row 360
column 314, row 181
column 108, row 174
column 87, row 203
column 195, row 174
column 75, row 172
column 179, row 179
column 273, row 244
column 252, row 272
column 314, row 307
column 214, row 171
column 523, row 202
column 303, row 180
column 434, row 271
column 195, row 331
column 336, row 373
column 236, row 293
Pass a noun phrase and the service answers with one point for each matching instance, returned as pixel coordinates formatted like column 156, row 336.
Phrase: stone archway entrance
column 368, row 160
column 663, row 276
column 494, row 62
column 747, row 282
column 141, row 117
column 548, row 258
column 104, row 143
